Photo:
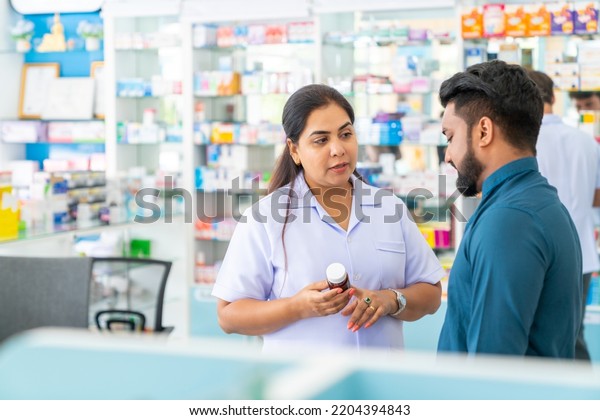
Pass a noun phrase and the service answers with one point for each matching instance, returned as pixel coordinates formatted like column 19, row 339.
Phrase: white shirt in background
column 569, row 159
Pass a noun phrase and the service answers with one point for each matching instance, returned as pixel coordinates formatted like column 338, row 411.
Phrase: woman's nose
column 336, row 148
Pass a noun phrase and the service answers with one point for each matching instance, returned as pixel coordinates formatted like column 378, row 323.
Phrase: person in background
column 570, row 160
column 318, row 212
column 515, row 285
column 586, row 101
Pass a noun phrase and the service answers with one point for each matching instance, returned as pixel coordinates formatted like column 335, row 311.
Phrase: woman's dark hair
column 544, row 84
column 295, row 114
column 502, row 92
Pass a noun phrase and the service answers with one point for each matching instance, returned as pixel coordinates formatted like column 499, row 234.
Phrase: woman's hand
column 312, row 302
column 369, row 306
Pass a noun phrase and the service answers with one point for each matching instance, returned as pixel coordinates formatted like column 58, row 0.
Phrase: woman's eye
column 449, row 139
column 320, row 141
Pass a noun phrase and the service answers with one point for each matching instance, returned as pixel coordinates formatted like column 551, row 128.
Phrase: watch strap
column 401, row 299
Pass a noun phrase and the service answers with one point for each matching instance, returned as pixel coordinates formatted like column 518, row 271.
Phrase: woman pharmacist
column 272, row 281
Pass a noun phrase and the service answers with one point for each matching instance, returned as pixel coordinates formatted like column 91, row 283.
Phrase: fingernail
column 350, row 325
column 351, row 292
column 355, row 328
column 339, row 290
column 367, row 325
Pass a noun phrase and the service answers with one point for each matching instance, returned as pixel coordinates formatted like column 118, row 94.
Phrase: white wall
column 10, row 79
column 10, row 64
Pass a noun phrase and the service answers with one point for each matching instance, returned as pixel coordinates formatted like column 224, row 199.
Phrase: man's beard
column 469, row 173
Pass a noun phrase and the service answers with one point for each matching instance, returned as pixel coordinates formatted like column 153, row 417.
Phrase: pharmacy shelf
column 43, row 233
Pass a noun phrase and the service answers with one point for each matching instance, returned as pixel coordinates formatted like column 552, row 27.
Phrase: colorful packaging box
column 515, row 20
column 472, row 24
column 561, row 18
column 9, row 214
column 442, row 238
column 538, row 20
column 585, row 18
column 493, row 20
column 429, row 235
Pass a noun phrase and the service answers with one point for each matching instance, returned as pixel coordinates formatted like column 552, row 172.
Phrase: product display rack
column 143, row 82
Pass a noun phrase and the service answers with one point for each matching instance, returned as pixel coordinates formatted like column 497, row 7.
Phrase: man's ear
column 293, row 152
column 485, row 131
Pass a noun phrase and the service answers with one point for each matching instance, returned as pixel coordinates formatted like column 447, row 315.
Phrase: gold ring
column 370, row 307
column 367, row 300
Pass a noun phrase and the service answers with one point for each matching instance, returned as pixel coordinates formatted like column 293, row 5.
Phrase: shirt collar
column 551, row 119
column 366, row 194
column 508, row 171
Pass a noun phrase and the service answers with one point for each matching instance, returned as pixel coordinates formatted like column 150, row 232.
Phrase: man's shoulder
column 508, row 230
column 507, row 221
column 505, row 212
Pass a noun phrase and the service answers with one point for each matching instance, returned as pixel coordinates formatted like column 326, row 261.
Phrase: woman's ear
column 293, row 148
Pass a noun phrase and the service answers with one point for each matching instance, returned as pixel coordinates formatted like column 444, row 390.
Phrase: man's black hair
column 502, row 92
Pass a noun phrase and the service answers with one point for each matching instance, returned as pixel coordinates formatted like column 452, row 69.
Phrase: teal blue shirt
column 515, row 285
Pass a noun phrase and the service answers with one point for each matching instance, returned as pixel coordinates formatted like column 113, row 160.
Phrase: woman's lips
column 339, row 169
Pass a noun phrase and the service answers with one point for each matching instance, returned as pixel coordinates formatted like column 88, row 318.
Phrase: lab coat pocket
column 392, row 262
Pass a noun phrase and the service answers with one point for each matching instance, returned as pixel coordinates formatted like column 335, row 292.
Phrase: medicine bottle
column 337, row 277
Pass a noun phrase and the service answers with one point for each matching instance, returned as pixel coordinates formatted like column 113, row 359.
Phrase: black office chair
column 126, row 293
column 43, row 292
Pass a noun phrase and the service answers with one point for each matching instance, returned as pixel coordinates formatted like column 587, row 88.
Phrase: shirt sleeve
column 247, row 271
column 422, row 266
column 508, row 277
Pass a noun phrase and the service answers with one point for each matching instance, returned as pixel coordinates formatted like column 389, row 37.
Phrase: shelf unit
column 143, row 88
column 557, row 54
column 399, row 47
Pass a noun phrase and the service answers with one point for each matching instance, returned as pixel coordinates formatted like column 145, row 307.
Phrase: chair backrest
column 38, row 292
column 128, row 291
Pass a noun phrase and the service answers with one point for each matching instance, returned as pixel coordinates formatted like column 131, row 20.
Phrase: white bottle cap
column 336, row 273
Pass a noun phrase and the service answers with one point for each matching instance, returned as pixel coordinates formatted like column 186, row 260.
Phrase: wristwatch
column 401, row 299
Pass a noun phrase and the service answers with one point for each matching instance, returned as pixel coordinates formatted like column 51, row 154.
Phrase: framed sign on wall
column 69, row 98
column 35, row 82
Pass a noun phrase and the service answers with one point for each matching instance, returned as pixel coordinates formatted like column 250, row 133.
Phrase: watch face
column 401, row 301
